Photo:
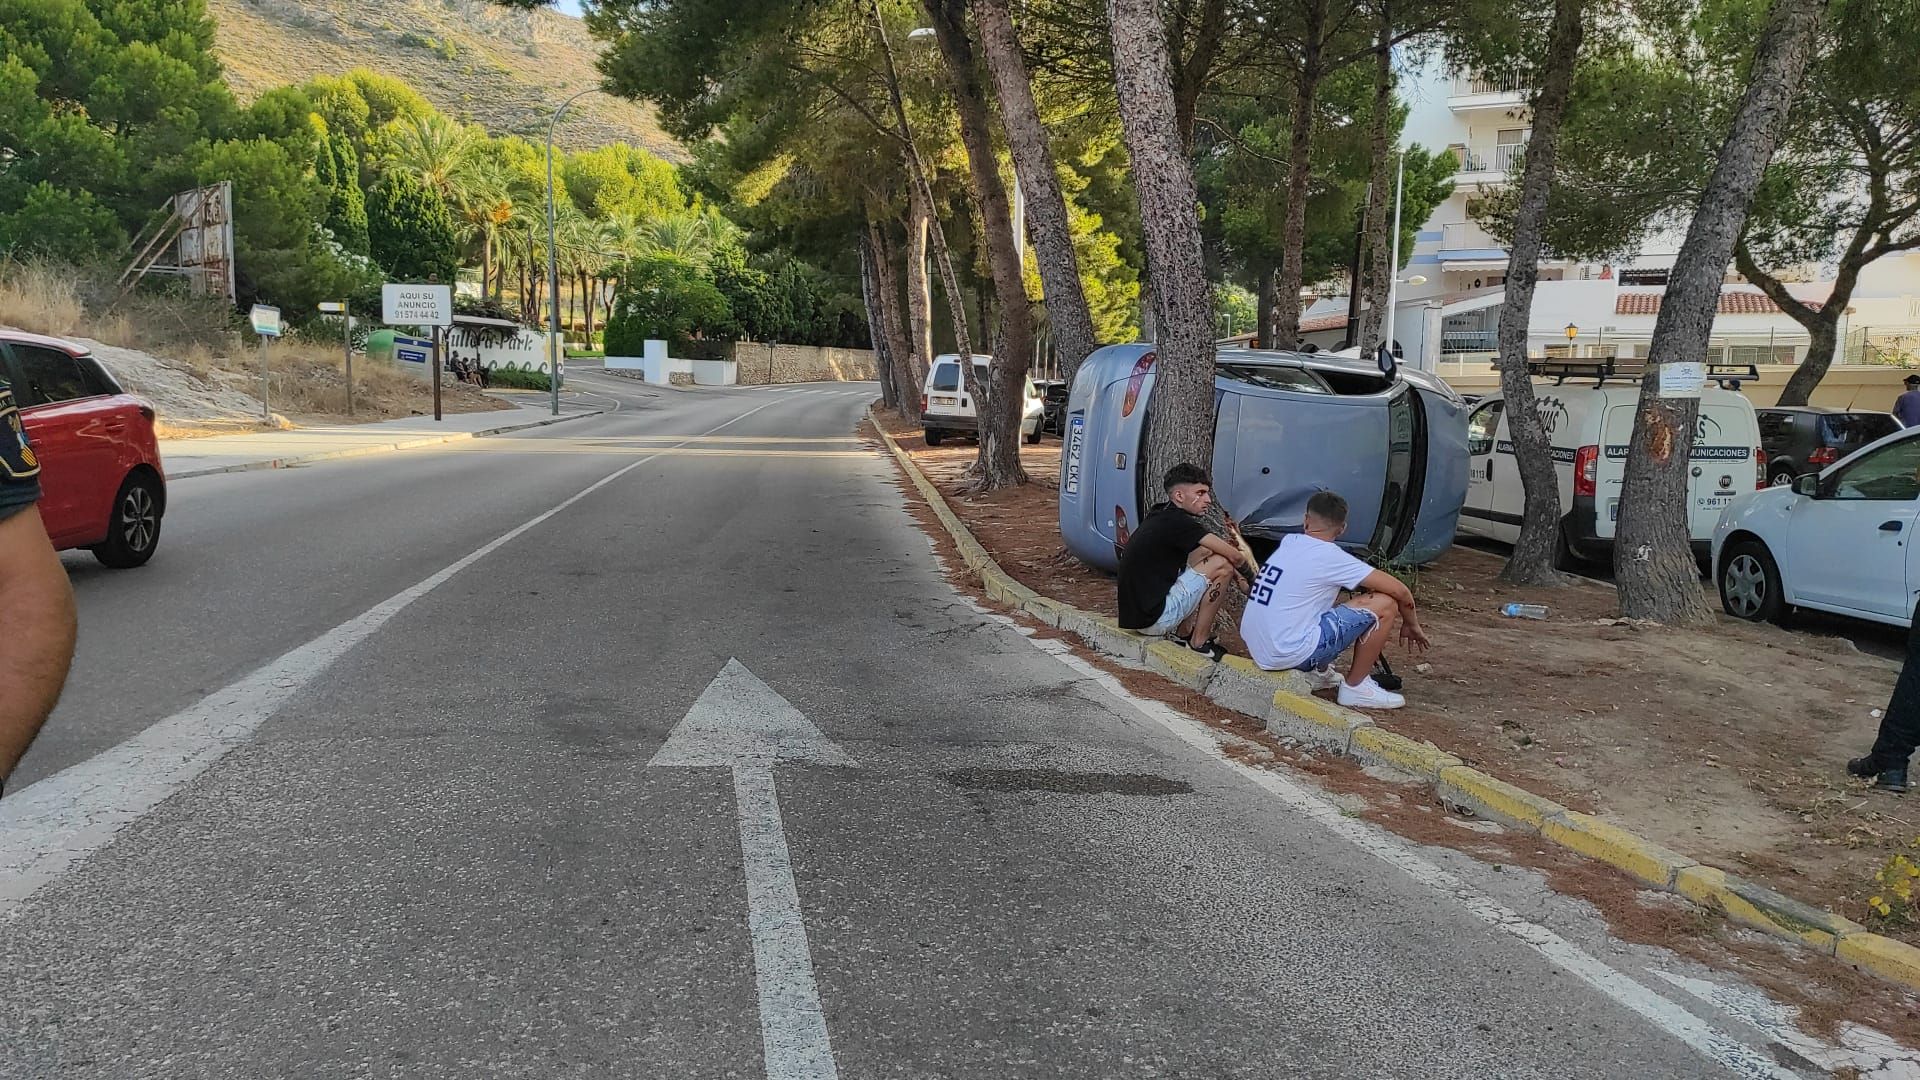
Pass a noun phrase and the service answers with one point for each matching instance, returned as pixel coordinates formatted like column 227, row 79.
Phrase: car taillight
column 146, row 411
column 1586, row 471
column 1823, row 456
column 1759, row 468
column 923, row 404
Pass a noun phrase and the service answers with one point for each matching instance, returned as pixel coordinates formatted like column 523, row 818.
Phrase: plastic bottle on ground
column 1524, row 611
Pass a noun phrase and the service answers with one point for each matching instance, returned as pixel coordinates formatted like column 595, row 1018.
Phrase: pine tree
column 410, row 231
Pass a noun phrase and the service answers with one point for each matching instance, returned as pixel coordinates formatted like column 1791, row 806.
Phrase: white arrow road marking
column 742, row 724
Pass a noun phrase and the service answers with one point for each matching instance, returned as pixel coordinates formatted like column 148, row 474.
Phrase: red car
column 101, row 484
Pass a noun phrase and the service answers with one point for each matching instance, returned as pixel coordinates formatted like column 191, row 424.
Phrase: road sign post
column 346, row 339
column 266, row 323
column 420, row 305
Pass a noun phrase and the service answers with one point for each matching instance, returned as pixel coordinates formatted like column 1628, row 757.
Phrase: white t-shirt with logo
column 1299, row 583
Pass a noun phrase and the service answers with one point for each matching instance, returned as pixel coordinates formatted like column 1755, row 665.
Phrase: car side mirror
column 1807, row 484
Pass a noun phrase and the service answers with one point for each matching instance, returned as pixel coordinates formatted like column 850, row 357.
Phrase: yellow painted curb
column 1757, row 906
column 1875, row 954
column 1642, row 859
column 1424, row 760
column 1181, row 664
column 1496, row 798
column 1314, row 720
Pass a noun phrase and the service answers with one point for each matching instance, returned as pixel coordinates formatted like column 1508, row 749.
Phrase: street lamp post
column 553, row 262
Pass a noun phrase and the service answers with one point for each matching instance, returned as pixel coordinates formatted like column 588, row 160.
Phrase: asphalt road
column 315, row 806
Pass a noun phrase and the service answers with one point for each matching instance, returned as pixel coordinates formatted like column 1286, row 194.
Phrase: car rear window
column 48, row 376
column 1856, row 429
column 1275, row 378
column 946, row 377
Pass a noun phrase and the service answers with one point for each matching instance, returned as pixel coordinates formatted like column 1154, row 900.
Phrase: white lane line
column 793, row 1030
column 1730, row 1053
column 50, row 826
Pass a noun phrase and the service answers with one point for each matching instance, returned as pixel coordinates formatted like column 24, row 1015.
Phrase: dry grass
column 40, row 299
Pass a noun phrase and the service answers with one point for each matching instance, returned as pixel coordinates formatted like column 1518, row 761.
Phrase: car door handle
column 1489, row 468
column 1889, row 526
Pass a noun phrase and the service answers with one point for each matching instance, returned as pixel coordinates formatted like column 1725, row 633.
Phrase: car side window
column 48, row 376
column 1889, row 474
column 1481, row 427
column 1774, row 425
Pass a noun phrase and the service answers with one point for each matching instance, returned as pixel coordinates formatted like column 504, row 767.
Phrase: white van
column 1589, row 424
column 946, row 406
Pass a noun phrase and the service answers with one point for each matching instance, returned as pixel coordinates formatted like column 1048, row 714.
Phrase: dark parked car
column 1286, row 425
column 1054, row 393
column 1805, row 439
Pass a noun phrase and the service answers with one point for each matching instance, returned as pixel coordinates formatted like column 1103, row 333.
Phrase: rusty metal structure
column 191, row 238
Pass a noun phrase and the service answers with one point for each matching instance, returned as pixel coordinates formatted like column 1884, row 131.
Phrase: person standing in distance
column 1906, row 407
column 37, row 623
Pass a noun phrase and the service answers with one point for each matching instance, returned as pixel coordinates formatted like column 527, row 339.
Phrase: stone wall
column 760, row 365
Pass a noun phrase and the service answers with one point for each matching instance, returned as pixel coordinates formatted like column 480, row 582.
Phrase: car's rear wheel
column 134, row 529
column 934, row 435
column 1780, row 478
column 1750, row 586
column 1034, row 439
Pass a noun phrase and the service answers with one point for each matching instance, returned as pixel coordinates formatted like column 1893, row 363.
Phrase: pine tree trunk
column 1264, row 307
column 1653, row 563
column 1182, row 402
column 908, row 376
column 999, row 463
column 1823, row 338
column 883, row 350
column 919, row 285
column 1293, row 231
column 1379, row 224
column 1532, row 562
column 1065, row 297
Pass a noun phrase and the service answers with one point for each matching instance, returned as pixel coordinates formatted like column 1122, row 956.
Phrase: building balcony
column 1473, row 93
column 1486, row 165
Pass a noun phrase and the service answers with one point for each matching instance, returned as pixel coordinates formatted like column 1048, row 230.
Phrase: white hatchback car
column 1841, row 541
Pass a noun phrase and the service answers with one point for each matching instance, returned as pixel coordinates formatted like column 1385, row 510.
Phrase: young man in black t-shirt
column 1174, row 573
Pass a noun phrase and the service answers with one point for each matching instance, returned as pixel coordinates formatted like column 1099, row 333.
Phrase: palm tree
column 485, row 200
column 687, row 234
column 436, row 150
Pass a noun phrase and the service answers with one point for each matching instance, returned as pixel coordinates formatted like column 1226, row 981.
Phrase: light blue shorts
column 1339, row 629
column 1182, row 600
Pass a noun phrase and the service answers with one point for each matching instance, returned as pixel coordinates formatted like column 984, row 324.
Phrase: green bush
column 518, row 379
column 665, row 297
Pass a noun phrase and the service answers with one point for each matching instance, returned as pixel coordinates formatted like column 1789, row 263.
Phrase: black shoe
column 1863, row 767
column 1383, row 676
column 1894, row 780
column 1212, row 650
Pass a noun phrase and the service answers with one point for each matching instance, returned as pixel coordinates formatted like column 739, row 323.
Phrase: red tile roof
column 1324, row 322
column 1731, row 303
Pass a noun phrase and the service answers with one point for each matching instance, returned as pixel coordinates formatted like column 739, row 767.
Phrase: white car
column 1841, row 540
column 947, row 408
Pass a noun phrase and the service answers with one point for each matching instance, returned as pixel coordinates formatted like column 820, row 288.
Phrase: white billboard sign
column 416, row 305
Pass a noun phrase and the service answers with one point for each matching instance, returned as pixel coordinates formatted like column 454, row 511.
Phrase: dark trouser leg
column 1900, row 725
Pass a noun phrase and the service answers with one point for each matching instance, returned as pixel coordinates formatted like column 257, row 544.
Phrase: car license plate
column 1075, row 439
column 939, row 400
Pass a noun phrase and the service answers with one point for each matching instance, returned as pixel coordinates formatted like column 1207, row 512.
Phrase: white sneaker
column 1324, row 678
column 1368, row 695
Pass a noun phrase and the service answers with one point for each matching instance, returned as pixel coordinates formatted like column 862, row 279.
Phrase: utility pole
column 553, row 261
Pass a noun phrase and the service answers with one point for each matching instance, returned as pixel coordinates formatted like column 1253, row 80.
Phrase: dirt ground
column 1725, row 743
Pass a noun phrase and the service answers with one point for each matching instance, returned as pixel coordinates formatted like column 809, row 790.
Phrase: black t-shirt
column 1152, row 562
column 19, row 468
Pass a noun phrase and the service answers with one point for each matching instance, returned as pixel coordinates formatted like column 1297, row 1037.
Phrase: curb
column 1281, row 700
column 362, row 451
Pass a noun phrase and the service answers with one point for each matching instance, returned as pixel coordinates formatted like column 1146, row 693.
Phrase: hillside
column 503, row 68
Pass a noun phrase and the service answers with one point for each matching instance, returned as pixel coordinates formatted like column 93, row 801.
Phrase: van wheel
column 934, row 435
column 134, row 530
column 1750, row 586
column 1034, row 439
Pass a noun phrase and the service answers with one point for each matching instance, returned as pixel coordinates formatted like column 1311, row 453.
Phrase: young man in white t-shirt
column 1292, row 622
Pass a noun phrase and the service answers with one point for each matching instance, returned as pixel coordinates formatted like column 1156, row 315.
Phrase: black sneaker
column 1864, row 767
column 1383, row 676
column 1894, row 780
column 1212, row 650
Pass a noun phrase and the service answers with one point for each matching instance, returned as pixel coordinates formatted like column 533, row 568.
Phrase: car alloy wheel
column 139, row 518
column 1745, row 585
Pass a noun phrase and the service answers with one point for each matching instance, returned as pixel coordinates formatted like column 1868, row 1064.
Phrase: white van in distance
column 1589, row 410
column 947, row 408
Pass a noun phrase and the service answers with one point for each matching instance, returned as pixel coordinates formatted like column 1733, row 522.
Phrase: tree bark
column 1653, row 563
column 1379, row 220
column 1293, row 232
column 1193, row 70
column 1264, row 324
column 1532, row 562
column 999, row 463
column 908, row 376
column 1182, row 402
column 1065, row 297
column 919, row 286
column 876, row 322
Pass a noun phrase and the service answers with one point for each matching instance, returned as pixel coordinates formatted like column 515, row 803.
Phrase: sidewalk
column 184, row 458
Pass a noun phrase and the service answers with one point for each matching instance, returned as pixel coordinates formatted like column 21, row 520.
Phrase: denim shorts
column 1339, row 629
column 1182, row 600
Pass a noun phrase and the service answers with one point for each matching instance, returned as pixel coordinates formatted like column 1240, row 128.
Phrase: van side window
column 1889, row 474
column 1481, row 427
column 946, row 378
